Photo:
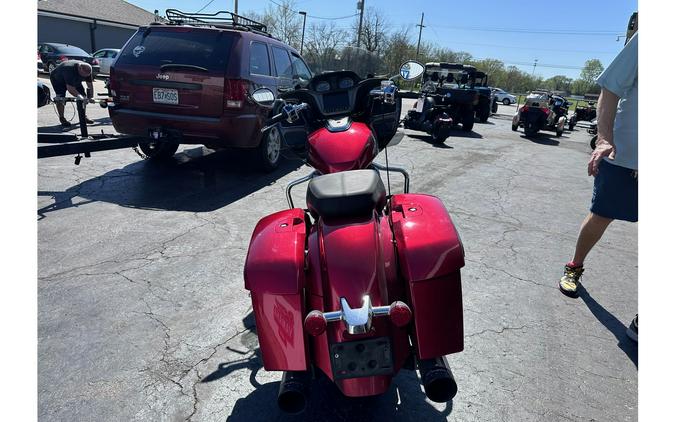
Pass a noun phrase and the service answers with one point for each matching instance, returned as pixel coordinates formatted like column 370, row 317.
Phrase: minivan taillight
column 234, row 93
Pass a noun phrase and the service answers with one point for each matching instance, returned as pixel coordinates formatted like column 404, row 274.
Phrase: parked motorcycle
column 542, row 111
column 360, row 283
column 431, row 112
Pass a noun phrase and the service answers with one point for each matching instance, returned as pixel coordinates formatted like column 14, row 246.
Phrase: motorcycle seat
column 354, row 193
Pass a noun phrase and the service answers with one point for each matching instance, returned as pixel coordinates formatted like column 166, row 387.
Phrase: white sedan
column 503, row 96
column 106, row 57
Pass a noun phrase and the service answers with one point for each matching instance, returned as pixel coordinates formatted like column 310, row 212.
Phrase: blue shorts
column 615, row 193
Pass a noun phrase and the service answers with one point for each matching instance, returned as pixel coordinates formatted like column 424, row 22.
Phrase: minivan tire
column 268, row 152
column 158, row 150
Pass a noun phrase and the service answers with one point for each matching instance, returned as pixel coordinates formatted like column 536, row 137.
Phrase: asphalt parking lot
column 142, row 313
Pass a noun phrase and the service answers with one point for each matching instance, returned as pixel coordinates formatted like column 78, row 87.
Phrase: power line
column 530, row 31
column 205, row 6
column 532, row 48
column 312, row 16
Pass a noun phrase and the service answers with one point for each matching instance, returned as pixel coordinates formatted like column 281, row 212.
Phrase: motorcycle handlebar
column 290, row 113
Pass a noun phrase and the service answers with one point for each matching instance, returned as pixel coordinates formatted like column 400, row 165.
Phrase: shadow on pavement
column 428, row 140
column 541, row 139
column 616, row 327
column 194, row 180
column 404, row 401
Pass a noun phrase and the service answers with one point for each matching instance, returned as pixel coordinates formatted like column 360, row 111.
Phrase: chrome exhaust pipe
column 437, row 380
column 293, row 391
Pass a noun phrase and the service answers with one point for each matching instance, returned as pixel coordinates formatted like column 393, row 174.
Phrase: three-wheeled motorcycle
column 360, row 283
column 542, row 110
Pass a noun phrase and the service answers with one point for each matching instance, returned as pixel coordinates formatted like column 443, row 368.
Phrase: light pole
column 302, row 40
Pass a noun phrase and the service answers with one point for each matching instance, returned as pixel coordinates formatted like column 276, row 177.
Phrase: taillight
column 400, row 314
column 95, row 61
column 315, row 323
column 545, row 110
column 63, row 59
column 234, row 93
column 524, row 109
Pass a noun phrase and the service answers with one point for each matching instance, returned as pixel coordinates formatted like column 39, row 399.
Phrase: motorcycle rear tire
column 437, row 137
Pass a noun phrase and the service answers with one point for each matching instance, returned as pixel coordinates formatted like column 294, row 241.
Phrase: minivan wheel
column 159, row 150
column 269, row 150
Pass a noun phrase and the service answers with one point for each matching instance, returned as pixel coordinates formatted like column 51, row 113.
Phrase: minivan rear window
column 156, row 47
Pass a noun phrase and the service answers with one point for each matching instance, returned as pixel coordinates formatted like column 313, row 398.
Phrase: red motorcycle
column 361, row 283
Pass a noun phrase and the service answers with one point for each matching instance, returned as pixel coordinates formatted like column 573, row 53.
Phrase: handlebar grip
column 275, row 119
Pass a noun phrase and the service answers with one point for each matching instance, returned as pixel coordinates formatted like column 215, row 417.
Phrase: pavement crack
column 490, row 330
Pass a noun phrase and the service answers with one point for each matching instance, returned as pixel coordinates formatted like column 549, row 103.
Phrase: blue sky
column 560, row 35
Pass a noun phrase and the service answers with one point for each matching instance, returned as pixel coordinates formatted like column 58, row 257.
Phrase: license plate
column 165, row 96
column 362, row 358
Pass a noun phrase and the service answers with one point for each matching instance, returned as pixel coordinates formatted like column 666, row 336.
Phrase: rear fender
column 274, row 274
column 350, row 259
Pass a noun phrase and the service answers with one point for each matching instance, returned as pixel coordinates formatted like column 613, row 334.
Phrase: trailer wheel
column 158, row 150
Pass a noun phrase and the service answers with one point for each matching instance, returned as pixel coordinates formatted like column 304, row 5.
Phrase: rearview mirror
column 263, row 96
column 411, row 70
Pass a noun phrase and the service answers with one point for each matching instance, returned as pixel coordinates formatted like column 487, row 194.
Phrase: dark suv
column 53, row 54
column 188, row 81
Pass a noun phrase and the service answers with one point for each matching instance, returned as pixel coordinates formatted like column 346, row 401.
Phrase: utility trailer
column 59, row 144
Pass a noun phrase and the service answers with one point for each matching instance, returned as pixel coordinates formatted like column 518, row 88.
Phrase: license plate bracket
column 362, row 358
column 165, row 96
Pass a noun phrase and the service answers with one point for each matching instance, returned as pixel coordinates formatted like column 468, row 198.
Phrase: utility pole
column 236, row 7
column 419, row 39
column 302, row 40
column 360, row 6
column 535, row 66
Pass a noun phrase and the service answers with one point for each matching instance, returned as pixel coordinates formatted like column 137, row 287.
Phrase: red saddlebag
column 274, row 274
column 431, row 255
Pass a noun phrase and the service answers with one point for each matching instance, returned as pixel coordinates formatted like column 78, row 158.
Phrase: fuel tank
column 351, row 147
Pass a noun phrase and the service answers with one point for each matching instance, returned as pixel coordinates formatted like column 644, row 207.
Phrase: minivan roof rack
column 221, row 19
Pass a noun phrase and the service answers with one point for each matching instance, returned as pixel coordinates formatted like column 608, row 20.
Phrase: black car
column 53, row 54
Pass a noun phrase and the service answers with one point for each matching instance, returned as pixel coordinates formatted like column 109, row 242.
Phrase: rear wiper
column 185, row 66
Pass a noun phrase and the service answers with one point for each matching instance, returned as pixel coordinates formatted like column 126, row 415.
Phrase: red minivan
column 187, row 82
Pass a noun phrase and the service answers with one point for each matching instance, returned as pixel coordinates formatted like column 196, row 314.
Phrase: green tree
column 591, row 70
column 558, row 83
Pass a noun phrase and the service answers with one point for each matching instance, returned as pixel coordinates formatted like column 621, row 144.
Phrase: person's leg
column 592, row 229
column 60, row 110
